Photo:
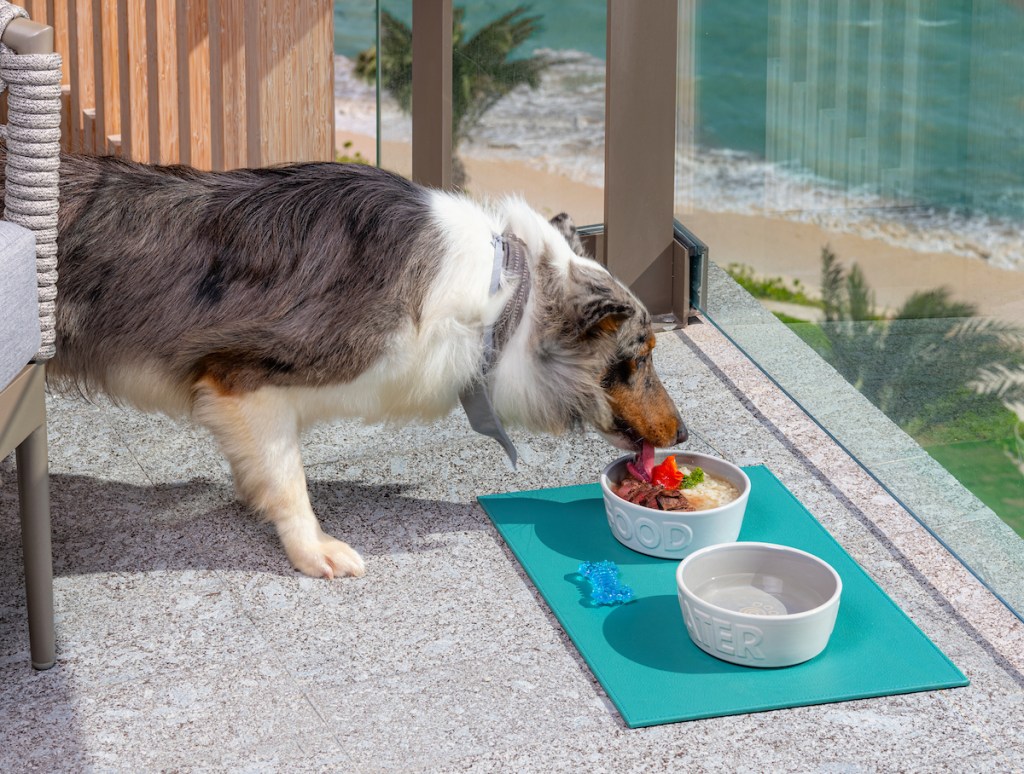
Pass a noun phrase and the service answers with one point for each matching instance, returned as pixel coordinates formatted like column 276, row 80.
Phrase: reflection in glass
column 528, row 98
column 858, row 166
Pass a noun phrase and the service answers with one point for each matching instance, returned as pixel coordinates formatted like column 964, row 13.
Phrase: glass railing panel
column 355, row 83
column 528, row 98
column 394, row 87
column 541, row 132
column 858, row 167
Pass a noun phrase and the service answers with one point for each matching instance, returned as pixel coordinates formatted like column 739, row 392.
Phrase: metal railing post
column 432, row 92
column 640, row 123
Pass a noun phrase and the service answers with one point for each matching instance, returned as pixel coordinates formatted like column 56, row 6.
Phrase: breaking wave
column 559, row 127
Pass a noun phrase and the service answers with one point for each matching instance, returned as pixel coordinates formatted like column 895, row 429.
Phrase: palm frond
column 934, row 348
column 1017, row 407
column 1004, row 382
column 833, row 279
column 934, row 304
column 1005, row 335
column 510, row 30
column 482, row 68
column 860, row 299
column 396, row 58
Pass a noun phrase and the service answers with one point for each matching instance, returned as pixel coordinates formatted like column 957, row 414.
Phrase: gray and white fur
column 257, row 302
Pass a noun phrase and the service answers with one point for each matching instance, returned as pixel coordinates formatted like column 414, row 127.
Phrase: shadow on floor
column 113, row 526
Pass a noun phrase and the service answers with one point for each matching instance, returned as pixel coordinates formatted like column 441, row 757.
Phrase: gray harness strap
column 510, row 256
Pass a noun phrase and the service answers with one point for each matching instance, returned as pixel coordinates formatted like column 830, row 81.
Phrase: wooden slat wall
column 166, row 103
column 199, row 93
column 233, row 74
column 110, row 73
column 214, row 83
column 137, row 132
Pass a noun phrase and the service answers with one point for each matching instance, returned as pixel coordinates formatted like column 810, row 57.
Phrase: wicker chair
column 28, row 265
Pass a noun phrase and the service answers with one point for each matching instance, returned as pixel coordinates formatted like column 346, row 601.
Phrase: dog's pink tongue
column 642, row 466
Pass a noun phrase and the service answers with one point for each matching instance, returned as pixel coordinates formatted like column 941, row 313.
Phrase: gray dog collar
column 510, row 257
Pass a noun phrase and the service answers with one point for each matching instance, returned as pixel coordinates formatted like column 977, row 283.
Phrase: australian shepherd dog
column 256, row 302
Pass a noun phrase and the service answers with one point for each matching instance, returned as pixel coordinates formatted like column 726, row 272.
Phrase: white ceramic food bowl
column 758, row 604
column 675, row 534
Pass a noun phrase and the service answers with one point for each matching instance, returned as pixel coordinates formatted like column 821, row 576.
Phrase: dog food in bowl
column 673, row 488
column 670, row 532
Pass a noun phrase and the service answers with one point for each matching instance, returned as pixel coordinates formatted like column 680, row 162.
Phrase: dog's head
column 590, row 351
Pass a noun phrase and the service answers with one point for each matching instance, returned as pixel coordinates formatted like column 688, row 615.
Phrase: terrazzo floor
column 186, row 642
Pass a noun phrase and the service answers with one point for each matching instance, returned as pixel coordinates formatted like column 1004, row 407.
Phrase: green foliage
column 990, row 469
column 962, row 416
column 695, row 477
column 788, row 319
column 350, row 158
column 772, row 288
column 946, row 376
column 482, row 71
column 845, row 295
column 918, row 365
column 811, row 333
column 929, row 304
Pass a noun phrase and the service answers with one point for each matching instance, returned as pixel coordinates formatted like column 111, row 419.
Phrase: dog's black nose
column 681, row 435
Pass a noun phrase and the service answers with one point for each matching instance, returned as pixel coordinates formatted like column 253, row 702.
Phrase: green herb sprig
column 694, row 478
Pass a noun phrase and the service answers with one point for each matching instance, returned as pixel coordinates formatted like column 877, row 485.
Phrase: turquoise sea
column 902, row 118
column 578, row 26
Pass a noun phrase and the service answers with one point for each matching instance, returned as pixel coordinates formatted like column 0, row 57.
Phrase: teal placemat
column 641, row 653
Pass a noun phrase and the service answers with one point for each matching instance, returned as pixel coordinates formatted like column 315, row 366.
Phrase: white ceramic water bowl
column 675, row 534
column 758, row 604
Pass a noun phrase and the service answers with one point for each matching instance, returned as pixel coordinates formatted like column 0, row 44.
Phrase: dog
column 256, row 302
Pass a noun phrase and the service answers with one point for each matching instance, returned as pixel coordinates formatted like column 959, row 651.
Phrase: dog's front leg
column 258, row 433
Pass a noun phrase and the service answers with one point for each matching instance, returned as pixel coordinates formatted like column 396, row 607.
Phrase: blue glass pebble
column 605, row 586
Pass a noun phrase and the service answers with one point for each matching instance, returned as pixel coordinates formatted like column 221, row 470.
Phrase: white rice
column 712, row 492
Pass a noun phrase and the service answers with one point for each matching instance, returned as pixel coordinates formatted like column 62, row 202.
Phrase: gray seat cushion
column 19, row 300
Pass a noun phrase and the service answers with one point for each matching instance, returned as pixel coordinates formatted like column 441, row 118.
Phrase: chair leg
column 34, row 489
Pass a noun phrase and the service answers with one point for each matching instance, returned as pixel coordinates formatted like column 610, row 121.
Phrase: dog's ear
column 602, row 315
column 590, row 302
column 606, row 321
column 565, row 226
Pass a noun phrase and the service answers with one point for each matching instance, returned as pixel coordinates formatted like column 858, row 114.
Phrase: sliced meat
column 639, row 492
column 674, row 500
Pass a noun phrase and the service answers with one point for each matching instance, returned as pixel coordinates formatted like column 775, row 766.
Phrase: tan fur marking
column 650, row 412
column 221, row 388
column 258, row 433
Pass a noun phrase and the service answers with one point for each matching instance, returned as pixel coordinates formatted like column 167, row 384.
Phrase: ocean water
column 574, row 24
column 901, row 120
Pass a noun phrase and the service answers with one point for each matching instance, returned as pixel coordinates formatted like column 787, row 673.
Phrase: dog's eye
column 620, row 373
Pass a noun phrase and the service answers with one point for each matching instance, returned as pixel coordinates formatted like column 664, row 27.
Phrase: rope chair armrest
column 32, row 139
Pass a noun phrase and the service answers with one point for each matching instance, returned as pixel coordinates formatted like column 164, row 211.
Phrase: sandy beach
column 547, row 192
column 771, row 246
column 778, row 247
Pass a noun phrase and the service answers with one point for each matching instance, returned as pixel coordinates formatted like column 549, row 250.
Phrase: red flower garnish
column 667, row 474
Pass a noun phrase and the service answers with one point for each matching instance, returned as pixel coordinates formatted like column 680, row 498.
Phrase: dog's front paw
column 326, row 558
